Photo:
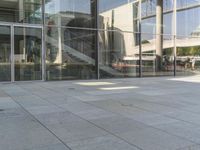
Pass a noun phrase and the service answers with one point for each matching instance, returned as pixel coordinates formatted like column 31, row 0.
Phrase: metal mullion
column 174, row 34
column 43, row 43
column 20, row 25
column 43, row 56
column 140, row 38
column 5, row 23
column 27, row 26
column 97, row 38
column 12, row 54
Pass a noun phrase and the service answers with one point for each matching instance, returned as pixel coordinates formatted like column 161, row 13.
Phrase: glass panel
column 188, row 55
column 118, row 15
column 157, row 55
column 119, row 54
column 148, row 13
column 186, row 3
column 27, row 54
column 188, row 22
column 72, row 13
column 70, row 53
column 188, row 37
column 105, row 5
column 5, row 53
column 149, row 6
column 118, row 43
column 163, row 19
column 21, row 11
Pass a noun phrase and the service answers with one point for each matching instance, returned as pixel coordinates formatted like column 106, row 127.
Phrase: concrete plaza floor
column 118, row 114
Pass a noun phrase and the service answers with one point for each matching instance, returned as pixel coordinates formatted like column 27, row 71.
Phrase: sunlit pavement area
column 113, row 114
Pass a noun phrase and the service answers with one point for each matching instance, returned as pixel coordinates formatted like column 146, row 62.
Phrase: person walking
column 193, row 61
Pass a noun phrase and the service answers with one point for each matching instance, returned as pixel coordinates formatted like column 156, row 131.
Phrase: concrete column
column 159, row 32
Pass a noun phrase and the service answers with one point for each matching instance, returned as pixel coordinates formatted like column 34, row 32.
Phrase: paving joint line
column 50, row 89
column 59, row 139
column 153, row 126
column 93, row 123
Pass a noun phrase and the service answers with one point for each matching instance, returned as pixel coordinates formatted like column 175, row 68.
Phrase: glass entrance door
column 27, row 53
column 5, row 53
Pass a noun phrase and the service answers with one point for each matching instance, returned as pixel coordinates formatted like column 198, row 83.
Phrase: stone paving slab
column 22, row 133
column 155, row 114
column 102, row 143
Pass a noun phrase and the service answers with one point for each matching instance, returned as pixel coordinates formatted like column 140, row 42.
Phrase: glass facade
column 92, row 39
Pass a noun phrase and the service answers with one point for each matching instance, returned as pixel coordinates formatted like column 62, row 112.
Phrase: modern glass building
column 94, row 39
